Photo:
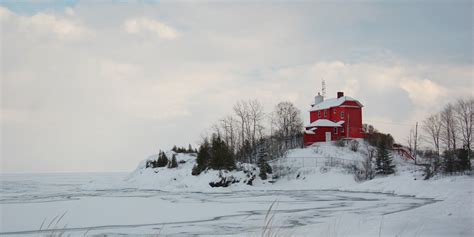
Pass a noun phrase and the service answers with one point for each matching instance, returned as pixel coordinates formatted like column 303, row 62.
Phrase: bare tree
column 256, row 115
column 227, row 131
column 367, row 128
column 449, row 127
column 242, row 112
column 413, row 140
column 367, row 164
column 464, row 117
column 432, row 127
column 216, row 129
column 286, row 120
column 410, row 141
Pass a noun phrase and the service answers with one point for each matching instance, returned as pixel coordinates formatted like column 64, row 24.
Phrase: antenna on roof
column 323, row 88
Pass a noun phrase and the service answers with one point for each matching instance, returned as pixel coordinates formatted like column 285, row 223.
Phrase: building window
column 319, row 114
column 325, row 113
column 335, row 130
column 342, row 130
column 342, row 115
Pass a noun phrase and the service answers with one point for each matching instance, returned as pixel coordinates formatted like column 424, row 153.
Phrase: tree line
column 250, row 127
column 250, row 135
column 162, row 161
column 449, row 136
column 183, row 149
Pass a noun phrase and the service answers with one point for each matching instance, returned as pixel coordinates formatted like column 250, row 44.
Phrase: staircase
column 403, row 151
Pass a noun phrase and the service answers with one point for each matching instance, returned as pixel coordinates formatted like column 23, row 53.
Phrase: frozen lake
column 45, row 203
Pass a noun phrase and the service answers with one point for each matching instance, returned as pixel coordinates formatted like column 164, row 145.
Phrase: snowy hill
column 299, row 165
column 181, row 179
column 324, row 168
column 321, row 161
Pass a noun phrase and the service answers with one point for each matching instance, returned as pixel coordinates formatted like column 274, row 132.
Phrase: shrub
column 464, row 161
column 375, row 138
column 367, row 171
column 150, row 164
column 456, row 161
column 340, row 143
column 265, row 168
column 434, row 165
column 224, row 181
column 263, row 175
column 196, row 170
column 354, row 145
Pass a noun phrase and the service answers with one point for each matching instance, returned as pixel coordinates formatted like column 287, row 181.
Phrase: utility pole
column 416, row 139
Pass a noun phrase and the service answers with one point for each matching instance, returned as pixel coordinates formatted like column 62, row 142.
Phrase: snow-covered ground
column 307, row 201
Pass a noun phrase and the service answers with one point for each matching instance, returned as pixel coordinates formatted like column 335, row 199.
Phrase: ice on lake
column 58, row 203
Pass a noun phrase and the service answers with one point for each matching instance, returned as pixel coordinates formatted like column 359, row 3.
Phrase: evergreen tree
column 190, row 149
column 216, row 161
column 463, row 159
column 245, row 152
column 449, row 160
column 383, row 161
column 203, row 158
column 221, row 156
column 173, row 163
column 456, row 161
column 175, row 149
column 162, row 160
column 215, row 155
column 262, row 163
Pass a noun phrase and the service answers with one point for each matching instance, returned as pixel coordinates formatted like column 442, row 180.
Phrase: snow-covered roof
column 325, row 123
column 329, row 103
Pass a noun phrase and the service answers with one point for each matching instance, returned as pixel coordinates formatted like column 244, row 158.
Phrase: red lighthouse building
column 334, row 119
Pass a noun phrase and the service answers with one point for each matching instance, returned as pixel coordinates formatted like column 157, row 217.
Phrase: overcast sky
column 89, row 86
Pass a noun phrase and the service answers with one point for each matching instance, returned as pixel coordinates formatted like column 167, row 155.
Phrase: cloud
column 69, row 11
column 423, row 92
column 108, row 101
column 144, row 25
column 61, row 27
column 120, row 71
column 43, row 24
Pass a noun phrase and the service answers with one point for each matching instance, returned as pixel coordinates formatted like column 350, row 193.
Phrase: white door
column 328, row 136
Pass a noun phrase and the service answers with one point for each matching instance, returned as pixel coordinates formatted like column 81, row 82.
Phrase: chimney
column 340, row 94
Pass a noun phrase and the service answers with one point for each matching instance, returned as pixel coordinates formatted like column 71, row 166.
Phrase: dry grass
column 270, row 228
